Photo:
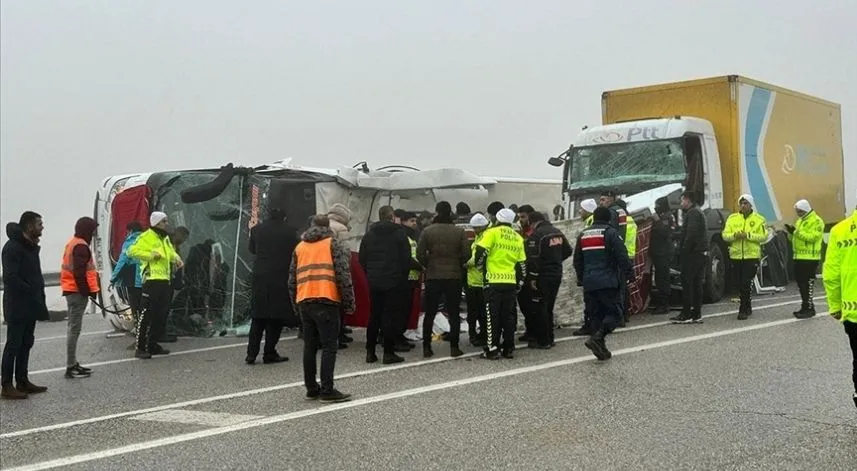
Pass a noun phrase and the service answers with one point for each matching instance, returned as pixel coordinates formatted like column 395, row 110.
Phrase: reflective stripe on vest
column 631, row 238
column 314, row 271
column 588, row 221
column 67, row 282
column 413, row 275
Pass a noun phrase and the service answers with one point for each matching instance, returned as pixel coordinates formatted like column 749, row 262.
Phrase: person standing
column 546, row 249
column 492, row 211
column 587, row 208
column 501, row 258
column 126, row 273
column 23, row 303
column 694, row 258
column 79, row 284
column 840, row 283
column 272, row 242
column 158, row 259
column 462, row 213
column 412, row 293
column 443, row 250
column 601, row 264
column 662, row 251
column 385, row 255
column 618, row 216
column 806, row 235
column 630, row 240
column 526, row 296
column 745, row 231
column 319, row 287
column 474, row 293
column 180, row 301
column 340, row 223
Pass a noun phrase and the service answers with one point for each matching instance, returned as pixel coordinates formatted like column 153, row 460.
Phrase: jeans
column 271, row 328
column 805, row 276
column 20, row 337
column 321, row 329
column 450, row 290
column 692, row 278
column 76, row 307
column 501, row 318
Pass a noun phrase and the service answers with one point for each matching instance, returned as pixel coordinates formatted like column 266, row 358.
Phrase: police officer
column 806, row 237
column 631, row 245
column 587, row 207
column 501, row 258
column 662, row 249
column 618, row 216
column 601, row 263
column 840, row 282
column 546, row 249
column 745, row 231
column 475, row 291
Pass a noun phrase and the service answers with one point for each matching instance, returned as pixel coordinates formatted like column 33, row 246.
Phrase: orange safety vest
column 67, row 281
column 316, row 277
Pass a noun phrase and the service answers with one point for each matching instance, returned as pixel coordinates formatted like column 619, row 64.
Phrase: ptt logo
column 804, row 160
column 608, row 138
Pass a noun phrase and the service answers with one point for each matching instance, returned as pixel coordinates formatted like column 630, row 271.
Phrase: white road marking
column 63, row 337
column 172, row 354
column 194, row 417
column 252, row 392
column 176, row 439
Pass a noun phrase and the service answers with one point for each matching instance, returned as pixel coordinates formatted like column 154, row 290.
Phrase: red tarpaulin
column 131, row 204
column 360, row 318
column 642, row 283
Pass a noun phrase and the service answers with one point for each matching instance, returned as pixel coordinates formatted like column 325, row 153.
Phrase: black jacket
column 619, row 220
column 23, row 284
column 385, row 254
column 546, row 249
column 272, row 242
column 600, row 257
column 693, row 239
column 663, row 230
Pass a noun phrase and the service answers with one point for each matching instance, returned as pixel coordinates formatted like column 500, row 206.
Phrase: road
column 771, row 392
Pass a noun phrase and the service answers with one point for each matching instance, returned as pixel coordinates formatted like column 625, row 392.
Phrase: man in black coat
column 546, row 249
column 273, row 242
column 23, row 303
column 385, row 255
column 662, row 251
column 693, row 257
column 602, row 266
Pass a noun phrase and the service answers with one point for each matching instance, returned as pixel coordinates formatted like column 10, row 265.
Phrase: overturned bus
column 219, row 206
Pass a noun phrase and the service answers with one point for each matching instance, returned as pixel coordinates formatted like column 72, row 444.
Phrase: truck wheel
column 715, row 275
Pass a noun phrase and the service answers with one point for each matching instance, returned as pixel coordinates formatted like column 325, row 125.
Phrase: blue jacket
column 600, row 257
column 126, row 261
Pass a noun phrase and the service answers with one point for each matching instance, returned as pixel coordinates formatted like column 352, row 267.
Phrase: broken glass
column 645, row 163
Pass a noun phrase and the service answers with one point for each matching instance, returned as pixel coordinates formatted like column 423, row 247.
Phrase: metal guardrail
column 52, row 280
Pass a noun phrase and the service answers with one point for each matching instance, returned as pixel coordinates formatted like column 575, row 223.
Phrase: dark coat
column 443, row 249
column 663, row 235
column 272, row 242
column 546, row 248
column 601, row 259
column 23, row 283
column 693, row 237
column 385, row 254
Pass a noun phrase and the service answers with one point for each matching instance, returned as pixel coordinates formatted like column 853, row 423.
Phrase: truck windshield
column 629, row 163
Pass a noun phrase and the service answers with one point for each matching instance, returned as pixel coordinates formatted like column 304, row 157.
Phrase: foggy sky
column 97, row 88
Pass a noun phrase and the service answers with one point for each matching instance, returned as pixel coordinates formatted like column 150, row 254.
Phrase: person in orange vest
column 319, row 286
column 79, row 284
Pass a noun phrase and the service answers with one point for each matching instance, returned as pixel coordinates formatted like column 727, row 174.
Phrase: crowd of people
column 513, row 261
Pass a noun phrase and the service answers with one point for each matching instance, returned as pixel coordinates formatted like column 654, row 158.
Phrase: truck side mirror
column 556, row 161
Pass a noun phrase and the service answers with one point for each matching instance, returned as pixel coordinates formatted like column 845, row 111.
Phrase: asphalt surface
column 770, row 392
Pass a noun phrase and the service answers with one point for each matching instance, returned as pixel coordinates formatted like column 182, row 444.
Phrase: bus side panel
column 791, row 149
